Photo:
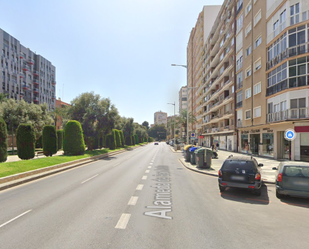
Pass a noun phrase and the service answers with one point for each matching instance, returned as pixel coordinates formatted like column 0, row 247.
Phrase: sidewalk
column 268, row 174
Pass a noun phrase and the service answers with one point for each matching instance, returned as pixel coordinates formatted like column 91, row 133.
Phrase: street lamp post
column 174, row 120
column 185, row 66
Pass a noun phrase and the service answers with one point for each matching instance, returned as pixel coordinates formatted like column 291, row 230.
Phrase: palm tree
column 182, row 119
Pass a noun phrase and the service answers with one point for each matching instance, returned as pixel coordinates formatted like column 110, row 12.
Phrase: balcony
column 35, row 90
column 36, row 100
column 30, row 61
column 25, row 68
column 290, row 114
column 239, row 123
column 35, row 73
column 53, row 83
column 238, row 104
column 25, row 87
column 35, row 82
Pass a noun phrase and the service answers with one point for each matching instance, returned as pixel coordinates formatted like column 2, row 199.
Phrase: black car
column 240, row 172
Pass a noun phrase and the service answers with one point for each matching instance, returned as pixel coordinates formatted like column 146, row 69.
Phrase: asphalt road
column 145, row 198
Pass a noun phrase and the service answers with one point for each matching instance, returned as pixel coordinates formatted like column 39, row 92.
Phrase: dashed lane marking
column 90, row 178
column 144, row 177
column 123, row 221
column 15, row 218
column 139, row 186
column 133, row 200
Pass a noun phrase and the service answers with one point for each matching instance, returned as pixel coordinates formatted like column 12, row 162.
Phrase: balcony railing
column 238, row 104
column 295, row 113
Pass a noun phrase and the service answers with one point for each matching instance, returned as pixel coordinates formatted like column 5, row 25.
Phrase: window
column 248, row 93
column 257, row 65
column 248, row 29
column 239, row 99
column 257, row 112
column 248, row 51
column 239, row 80
column 294, row 14
column 257, row 88
column 258, row 41
column 276, row 28
column 257, row 17
column 248, row 114
column 248, row 72
column 282, row 20
column 248, row 8
column 239, row 23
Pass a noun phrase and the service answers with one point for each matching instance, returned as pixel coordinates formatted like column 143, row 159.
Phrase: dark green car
column 292, row 179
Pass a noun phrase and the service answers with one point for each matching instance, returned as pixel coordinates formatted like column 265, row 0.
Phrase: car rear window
column 296, row 171
column 243, row 165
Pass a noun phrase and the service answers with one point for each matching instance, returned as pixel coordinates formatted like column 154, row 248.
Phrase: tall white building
column 160, row 118
column 25, row 74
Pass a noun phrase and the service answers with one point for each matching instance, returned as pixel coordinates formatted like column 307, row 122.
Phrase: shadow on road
column 108, row 158
column 246, row 196
column 294, row 201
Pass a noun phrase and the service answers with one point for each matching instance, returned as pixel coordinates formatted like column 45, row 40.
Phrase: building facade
column 160, row 118
column 183, row 99
column 60, row 104
column 25, row 74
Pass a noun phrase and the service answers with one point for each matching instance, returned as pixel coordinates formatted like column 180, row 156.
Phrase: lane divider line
column 147, row 171
column 133, row 200
column 149, row 167
column 15, row 218
column 139, row 186
column 144, row 177
column 90, row 178
column 123, row 221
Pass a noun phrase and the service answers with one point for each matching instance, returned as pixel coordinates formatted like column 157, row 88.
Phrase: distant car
column 292, row 179
column 156, row 143
column 167, row 142
column 241, row 172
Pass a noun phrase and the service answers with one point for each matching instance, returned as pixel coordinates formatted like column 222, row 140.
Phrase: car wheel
column 258, row 192
column 222, row 189
column 279, row 196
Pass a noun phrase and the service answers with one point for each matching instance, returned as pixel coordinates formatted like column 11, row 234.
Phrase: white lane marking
column 147, row 171
column 15, row 218
column 139, row 186
column 116, row 164
column 123, row 221
column 133, row 200
column 151, row 163
column 149, row 167
column 144, row 177
column 90, row 178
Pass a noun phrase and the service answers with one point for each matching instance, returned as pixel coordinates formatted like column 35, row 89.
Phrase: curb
column 15, row 180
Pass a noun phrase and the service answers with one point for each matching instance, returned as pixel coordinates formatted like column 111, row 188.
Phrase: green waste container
column 199, row 155
column 208, row 158
column 192, row 155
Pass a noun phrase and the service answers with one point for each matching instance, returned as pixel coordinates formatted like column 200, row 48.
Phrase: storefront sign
column 255, row 131
column 244, row 132
column 302, row 128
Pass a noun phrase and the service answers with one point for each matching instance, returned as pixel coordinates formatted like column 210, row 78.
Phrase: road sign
column 192, row 134
column 289, row 134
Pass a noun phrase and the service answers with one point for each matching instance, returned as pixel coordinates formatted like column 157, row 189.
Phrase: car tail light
column 279, row 178
column 251, row 187
column 224, row 183
column 220, row 173
column 257, row 176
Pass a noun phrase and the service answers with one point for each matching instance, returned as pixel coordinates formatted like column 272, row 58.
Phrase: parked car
column 292, row 179
column 241, row 172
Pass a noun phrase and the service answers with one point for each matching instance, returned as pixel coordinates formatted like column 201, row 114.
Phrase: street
column 145, row 198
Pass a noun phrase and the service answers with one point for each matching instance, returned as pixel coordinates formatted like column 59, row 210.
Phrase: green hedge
column 117, row 138
column 60, row 139
column 136, row 140
column 25, row 140
column 73, row 141
column 128, row 140
column 122, row 139
column 50, row 141
column 3, row 141
column 133, row 140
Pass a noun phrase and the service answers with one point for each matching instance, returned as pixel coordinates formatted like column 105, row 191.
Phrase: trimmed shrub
column 25, row 140
column 108, row 139
column 122, row 139
column 73, row 141
column 3, row 141
column 50, row 141
column 128, row 141
column 38, row 142
column 117, row 138
column 60, row 139
column 150, row 139
column 133, row 140
column 136, row 139
column 112, row 144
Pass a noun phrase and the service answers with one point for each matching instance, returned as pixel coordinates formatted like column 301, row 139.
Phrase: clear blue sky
column 120, row 49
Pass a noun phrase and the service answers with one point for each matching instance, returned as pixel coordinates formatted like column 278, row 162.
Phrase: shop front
column 302, row 135
column 268, row 144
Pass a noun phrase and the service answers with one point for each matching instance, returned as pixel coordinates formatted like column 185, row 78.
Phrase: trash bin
column 187, row 153
column 208, row 157
column 192, row 155
column 199, row 155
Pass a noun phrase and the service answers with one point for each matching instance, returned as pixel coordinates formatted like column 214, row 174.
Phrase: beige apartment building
column 196, row 66
column 183, row 99
column 25, row 74
column 160, row 118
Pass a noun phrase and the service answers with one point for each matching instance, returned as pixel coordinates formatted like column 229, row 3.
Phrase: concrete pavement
column 268, row 174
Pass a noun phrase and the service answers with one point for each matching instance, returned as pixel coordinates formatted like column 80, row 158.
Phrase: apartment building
column 183, row 99
column 25, row 74
column 160, row 118
column 196, row 65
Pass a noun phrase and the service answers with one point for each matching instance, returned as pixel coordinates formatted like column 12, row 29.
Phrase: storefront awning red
column 301, row 128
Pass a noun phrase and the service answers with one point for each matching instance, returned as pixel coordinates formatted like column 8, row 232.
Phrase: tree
column 128, row 127
column 73, row 141
column 50, row 140
column 158, row 132
column 146, row 124
column 182, row 119
column 3, row 141
column 60, row 139
column 25, row 139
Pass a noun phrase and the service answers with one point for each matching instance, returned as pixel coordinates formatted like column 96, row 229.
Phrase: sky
column 119, row 49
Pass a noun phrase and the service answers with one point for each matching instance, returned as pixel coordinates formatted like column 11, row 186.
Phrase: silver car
column 292, row 179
